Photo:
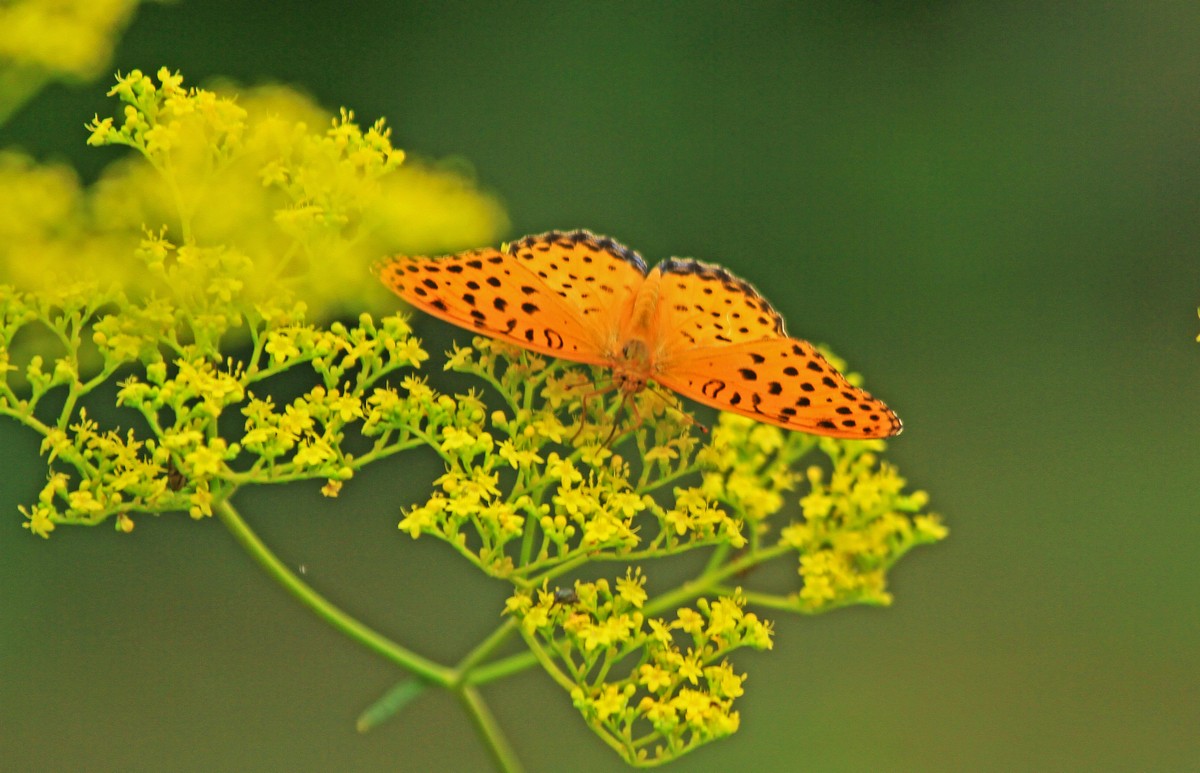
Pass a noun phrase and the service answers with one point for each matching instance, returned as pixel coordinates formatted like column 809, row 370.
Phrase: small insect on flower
column 692, row 327
column 565, row 596
column 176, row 480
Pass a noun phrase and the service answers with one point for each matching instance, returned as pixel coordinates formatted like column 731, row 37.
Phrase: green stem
column 710, row 580
column 485, row 648
column 543, row 657
column 646, row 488
column 455, row 679
column 331, row 614
column 502, row 753
column 501, row 669
column 719, row 554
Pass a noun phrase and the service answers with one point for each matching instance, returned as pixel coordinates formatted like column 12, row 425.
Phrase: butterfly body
column 689, row 326
column 634, row 347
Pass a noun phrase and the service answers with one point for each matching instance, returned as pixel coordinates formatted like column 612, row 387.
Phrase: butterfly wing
column 596, row 275
column 780, row 381
column 701, row 304
column 554, row 293
column 722, row 344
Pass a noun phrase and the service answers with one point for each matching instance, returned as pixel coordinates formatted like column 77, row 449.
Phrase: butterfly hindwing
column 782, row 381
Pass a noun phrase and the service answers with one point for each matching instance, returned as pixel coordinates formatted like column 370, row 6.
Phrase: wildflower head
column 667, row 684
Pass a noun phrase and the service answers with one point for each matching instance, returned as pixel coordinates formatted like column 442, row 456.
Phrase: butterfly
column 689, row 326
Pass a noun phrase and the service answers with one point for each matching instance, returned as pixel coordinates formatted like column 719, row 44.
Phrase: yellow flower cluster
column 234, row 221
column 308, row 209
column 677, row 689
column 557, row 508
column 186, row 384
column 61, row 38
column 856, row 525
column 743, row 454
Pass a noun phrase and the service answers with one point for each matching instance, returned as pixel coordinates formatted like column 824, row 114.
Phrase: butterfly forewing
column 704, row 305
column 782, row 381
column 595, row 275
column 494, row 294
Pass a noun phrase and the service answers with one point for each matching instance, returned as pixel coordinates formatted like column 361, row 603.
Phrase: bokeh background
column 989, row 211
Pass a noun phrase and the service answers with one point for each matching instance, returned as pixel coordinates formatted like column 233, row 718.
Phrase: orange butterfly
column 692, row 327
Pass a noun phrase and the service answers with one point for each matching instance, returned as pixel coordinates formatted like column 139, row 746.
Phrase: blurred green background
column 990, row 212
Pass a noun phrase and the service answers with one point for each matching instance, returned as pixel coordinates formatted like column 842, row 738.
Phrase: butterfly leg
column 583, row 408
column 637, row 417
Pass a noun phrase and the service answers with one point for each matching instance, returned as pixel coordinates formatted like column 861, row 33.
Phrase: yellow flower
column 660, row 632
column 661, row 714
column 611, row 631
column 612, row 699
column 314, row 452
column 660, row 454
column 724, row 682
column 39, row 519
column 424, row 518
column 679, row 521
column 930, row 527
column 696, row 706
column 201, row 500
column 281, row 345
column 207, row 460
column 84, row 501
column 690, row 667
column 724, row 616
column 535, row 618
column 602, row 527
column 459, row 357
column 455, row 439
column 562, row 470
column 518, row 459
column 575, row 501
column 631, row 588
column 689, row 620
column 655, row 679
